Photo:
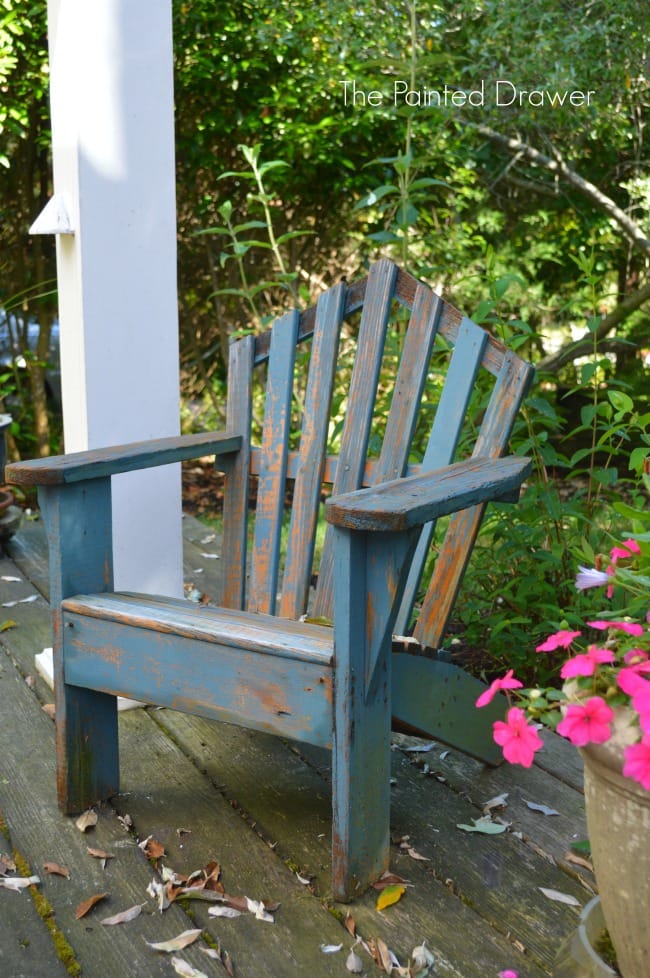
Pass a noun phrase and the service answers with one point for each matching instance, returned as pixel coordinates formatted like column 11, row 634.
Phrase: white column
column 113, row 148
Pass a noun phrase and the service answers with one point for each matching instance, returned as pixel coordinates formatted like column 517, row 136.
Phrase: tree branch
column 583, row 345
column 557, row 165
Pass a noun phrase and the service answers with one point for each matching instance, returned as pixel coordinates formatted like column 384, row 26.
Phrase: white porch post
column 113, row 148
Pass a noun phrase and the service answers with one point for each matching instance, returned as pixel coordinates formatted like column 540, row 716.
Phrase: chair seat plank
column 241, row 629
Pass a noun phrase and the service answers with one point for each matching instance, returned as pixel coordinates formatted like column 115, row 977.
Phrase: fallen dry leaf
column 350, row 925
column 48, row 708
column 177, row 943
column 7, row 624
column 387, row 880
column 384, row 957
column 261, row 913
column 219, row 910
column 559, row 897
column 185, row 969
column 152, row 849
column 390, row 895
column 124, row 917
column 500, row 801
column 544, row 809
column 7, row 865
column 54, row 869
column 331, row 948
column 18, row 883
column 573, row 857
column 86, row 821
column 88, row 904
column 99, row 853
column 354, row 963
column 414, row 854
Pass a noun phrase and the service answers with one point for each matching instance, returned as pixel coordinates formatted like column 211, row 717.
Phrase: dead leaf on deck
column 484, row 825
column 18, row 883
column 544, row 809
column 331, row 948
column 387, row 880
column 6, row 625
column 383, row 956
column 353, row 962
column 414, row 854
column 219, row 910
column 573, row 857
column 499, row 801
column 54, row 869
column 390, row 895
column 48, row 708
column 187, row 970
column 350, row 925
column 101, row 855
column 87, row 820
column 422, row 960
column 177, row 943
column 7, row 865
column 261, row 913
column 88, row 904
column 559, row 897
column 152, row 849
column 124, row 917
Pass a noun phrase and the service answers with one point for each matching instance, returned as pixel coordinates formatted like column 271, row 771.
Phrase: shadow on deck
column 260, row 807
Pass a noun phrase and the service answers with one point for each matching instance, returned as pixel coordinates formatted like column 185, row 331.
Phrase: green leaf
column 375, row 195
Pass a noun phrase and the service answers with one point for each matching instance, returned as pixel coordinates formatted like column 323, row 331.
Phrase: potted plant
column 603, row 708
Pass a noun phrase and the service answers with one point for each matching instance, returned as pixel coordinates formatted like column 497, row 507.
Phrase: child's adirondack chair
column 252, row 660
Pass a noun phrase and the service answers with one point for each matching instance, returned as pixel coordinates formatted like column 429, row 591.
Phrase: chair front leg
column 369, row 575
column 79, row 528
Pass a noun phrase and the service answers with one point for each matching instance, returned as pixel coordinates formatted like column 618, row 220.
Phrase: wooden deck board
column 262, row 808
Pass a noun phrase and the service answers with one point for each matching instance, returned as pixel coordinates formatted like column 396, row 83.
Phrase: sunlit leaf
column 219, row 910
column 18, row 883
column 6, row 625
column 177, row 943
column 124, row 917
column 185, row 969
column 560, row 897
column 390, row 895
column 260, row 911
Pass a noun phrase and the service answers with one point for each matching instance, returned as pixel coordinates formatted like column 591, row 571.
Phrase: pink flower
column 637, row 762
column 586, row 664
column 509, row 974
column 558, row 640
column 629, row 627
column 587, row 723
column 590, row 577
column 638, row 688
column 507, row 682
column 627, row 549
column 518, row 738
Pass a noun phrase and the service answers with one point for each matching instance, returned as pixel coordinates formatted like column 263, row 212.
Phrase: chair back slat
column 311, row 454
column 443, row 441
column 409, row 385
column 271, row 485
column 360, row 406
column 237, row 474
column 511, row 385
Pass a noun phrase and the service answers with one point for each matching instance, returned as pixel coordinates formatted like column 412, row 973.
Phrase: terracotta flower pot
column 618, row 823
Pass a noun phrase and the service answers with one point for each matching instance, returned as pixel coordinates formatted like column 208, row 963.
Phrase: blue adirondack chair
column 251, row 660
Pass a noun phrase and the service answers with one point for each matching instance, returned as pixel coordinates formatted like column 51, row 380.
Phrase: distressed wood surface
column 262, row 809
column 97, row 463
column 406, row 503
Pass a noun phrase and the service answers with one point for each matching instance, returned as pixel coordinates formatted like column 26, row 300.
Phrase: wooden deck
column 261, row 808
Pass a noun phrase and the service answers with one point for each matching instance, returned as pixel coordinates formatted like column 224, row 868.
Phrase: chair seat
column 224, row 626
column 266, row 673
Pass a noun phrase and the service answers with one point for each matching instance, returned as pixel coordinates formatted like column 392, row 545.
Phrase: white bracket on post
column 54, row 218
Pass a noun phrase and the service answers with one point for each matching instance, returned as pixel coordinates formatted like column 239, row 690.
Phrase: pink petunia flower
column 587, row 663
column 506, row 682
column 627, row 549
column 558, row 640
column 587, row 723
column 518, row 738
column 590, row 577
column 638, row 688
column 637, row 762
column 629, row 627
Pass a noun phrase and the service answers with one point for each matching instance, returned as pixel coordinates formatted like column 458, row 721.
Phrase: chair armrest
column 102, row 462
column 413, row 501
